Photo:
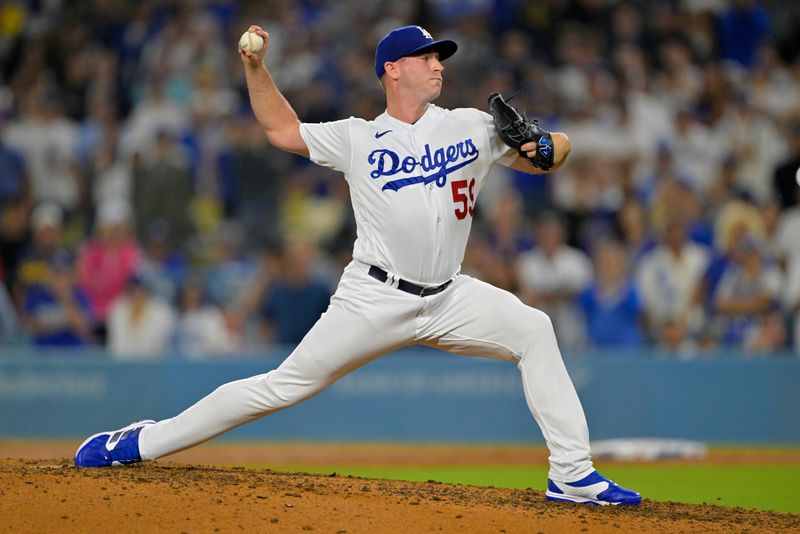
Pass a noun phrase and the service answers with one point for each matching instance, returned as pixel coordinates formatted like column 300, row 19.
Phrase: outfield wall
column 416, row 395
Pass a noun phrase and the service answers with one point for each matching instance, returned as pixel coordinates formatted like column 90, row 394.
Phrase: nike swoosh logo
column 378, row 135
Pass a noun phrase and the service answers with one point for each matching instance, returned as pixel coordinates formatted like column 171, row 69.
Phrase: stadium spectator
column 207, row 139
column 140, row 325
column 748, row 292
column 505, row 239
column 155, row 113
column 15, row 204
column 632, row 228
column 14, row 180
column 792, row 299
column 202, row 328
column 551, row 276
column 46, row 224
column 772, row 87
column 10, row 330
column 665, row 175
column 163, row 268
column 674, row 339
column 768, row 335
column 56, row 312
column 315, row 205
column 589, row 199
column 784, row 178
column 668, row 277
column 759, row 145
column 109, row 175
column 297, row 298
column 788, row 230
column 162, row 188
column 14, row 238
column 232, row 265
column 700, row 153
column 741, row 28
column 47, row 140
column 770, row 210
column 98, row 129
column 680, row 78
column 736, row 222
column 611, row 304
column 243, row 313
column 107, row 261
column 252, row 178
column 677, row 199
column 724, row 188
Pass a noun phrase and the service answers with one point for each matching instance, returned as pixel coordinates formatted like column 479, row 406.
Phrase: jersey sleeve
column 501, row 152
column 329, row 143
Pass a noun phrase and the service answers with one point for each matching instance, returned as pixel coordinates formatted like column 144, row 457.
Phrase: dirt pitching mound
column 54, row 496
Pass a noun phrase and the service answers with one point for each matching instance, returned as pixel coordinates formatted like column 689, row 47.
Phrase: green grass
column 764, row 487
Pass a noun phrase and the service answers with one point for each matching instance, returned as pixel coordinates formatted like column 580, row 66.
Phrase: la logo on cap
column 425, row 32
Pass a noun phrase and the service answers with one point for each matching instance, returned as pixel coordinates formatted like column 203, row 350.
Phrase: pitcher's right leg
column 365, row 319
column 339, row 343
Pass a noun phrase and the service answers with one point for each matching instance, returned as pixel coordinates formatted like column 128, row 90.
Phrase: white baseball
column 797, row 176
column 251, row 42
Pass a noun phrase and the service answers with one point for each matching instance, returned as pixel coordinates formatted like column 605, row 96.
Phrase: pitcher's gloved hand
column 516, row 129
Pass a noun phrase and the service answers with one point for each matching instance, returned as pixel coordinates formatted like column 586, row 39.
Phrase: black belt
column 409, row 287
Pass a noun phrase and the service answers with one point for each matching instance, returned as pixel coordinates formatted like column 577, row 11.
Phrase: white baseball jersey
column 413, row 186
column 413, row 189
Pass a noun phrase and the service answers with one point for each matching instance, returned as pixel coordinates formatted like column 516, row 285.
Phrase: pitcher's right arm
column 273, row 112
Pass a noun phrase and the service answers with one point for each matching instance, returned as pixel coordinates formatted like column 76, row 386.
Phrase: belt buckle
column 433, row 290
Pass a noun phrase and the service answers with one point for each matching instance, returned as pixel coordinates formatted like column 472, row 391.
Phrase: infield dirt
column 53, row 496
column 50, row 495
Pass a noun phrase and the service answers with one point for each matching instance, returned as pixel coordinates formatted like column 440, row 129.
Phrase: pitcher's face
column 422, row 73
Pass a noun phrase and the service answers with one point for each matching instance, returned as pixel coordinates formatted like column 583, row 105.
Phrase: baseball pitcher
column 414, row 173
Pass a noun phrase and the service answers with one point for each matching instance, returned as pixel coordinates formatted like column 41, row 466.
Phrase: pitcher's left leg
column 476, row 319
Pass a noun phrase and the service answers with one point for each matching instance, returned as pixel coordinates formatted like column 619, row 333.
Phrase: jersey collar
column 429, row 111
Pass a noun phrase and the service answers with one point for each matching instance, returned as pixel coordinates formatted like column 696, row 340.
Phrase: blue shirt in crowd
column 293, row 310
column 43, row 306
column 612, row 320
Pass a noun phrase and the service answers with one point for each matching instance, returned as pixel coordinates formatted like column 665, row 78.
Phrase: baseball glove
column 515, row 130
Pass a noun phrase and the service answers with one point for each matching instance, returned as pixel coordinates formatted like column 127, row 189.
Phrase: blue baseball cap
column 406, row 41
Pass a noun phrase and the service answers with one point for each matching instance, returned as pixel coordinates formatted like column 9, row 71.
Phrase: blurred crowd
column 143, row 210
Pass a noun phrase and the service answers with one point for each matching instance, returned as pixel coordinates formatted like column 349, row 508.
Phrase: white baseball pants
column 368, row 318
